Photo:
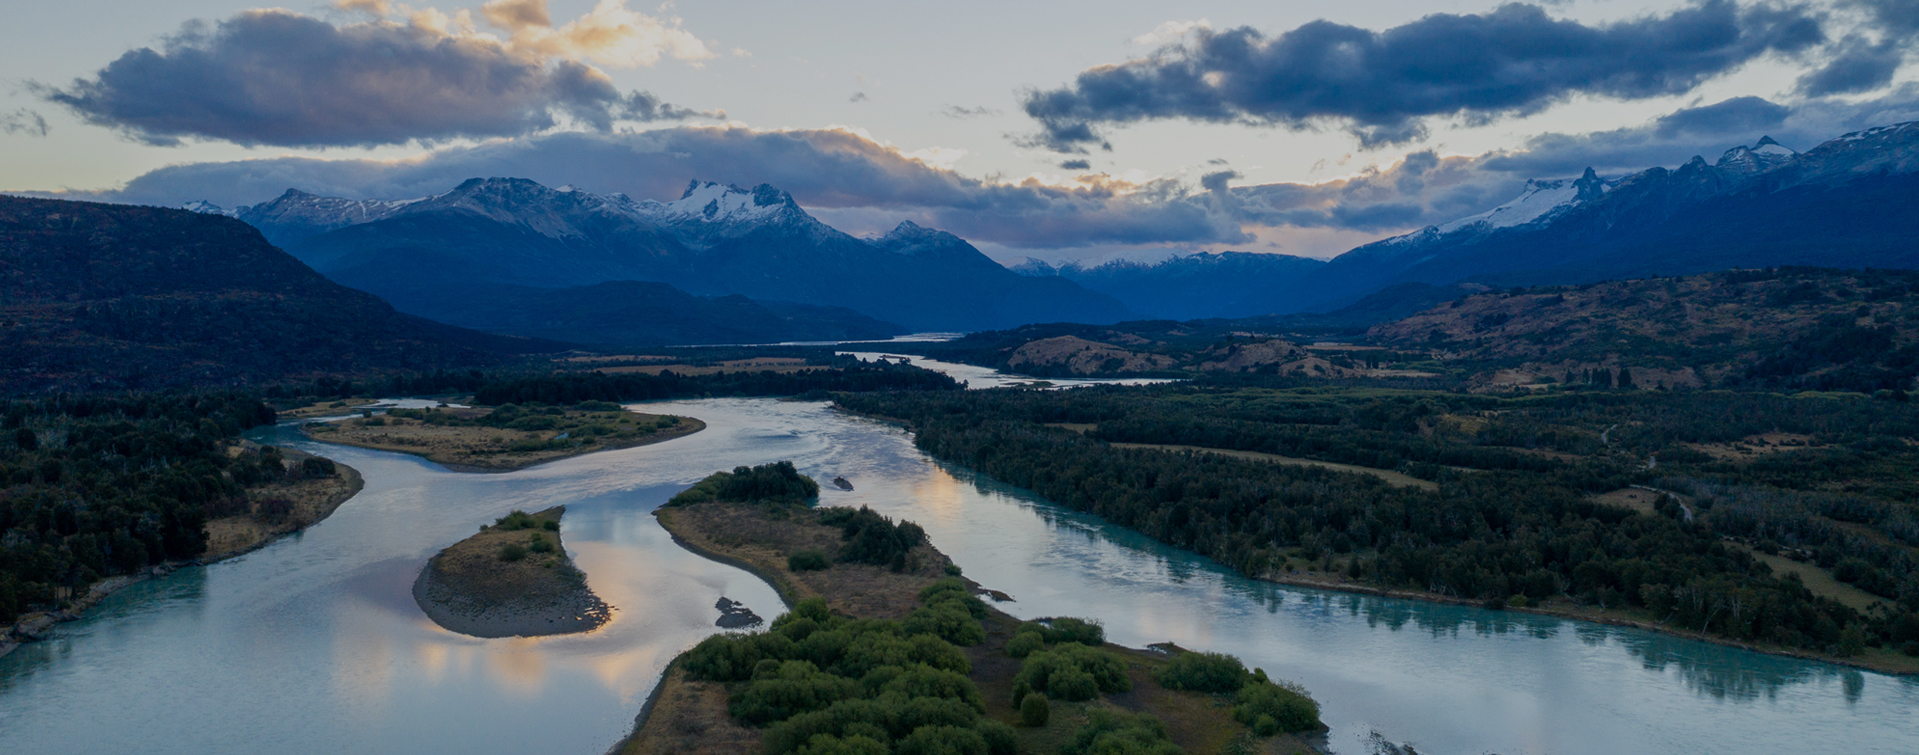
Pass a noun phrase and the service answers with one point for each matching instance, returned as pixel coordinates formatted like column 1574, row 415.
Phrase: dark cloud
column 1381, row 86
column 1076, row 165
column 272, row 77
column 24, row 121
column 1891, row 16
column 1216, row 181
column 1706, row 131
column 1857, row 66
column 962, row 113
column 858, row 97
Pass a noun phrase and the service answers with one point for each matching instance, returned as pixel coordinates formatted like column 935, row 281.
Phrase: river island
column 512, row 578
column 506, row 437
column 887, row 647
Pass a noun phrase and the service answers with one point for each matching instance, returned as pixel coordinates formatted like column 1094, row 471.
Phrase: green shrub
column 779, row 482
column 942, row 740
column 871, row 538
column 1034, row 710
column 1071, row 671
column 1203, row 672
column 1111, row 733
column 550, row 525
column 807, row 560
column 827, row 744
column 779, row 690
column 517, row 520
column 534, row 423
column 1067, row 629
column 1287, row 704
column 1025, row 644
column 540, row 544
column 947, row 621
column 512, row 552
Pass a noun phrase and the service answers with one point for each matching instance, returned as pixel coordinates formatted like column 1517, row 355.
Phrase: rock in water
column 734, row 614
column 511, row 579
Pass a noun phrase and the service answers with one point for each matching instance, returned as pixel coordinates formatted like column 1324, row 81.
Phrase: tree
column 1034, row 710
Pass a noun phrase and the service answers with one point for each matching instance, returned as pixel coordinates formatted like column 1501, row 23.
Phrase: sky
column 1060, row 131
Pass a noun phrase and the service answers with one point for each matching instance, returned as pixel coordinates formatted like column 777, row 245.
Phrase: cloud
column 273, row 77
column 962, row 113
column 1170, row 31
column 24, row 121
column 609, row 34
column 826, row 169
column 1858, row 66
column 1076, row 165
column 1706, row 130
column 1217, row 181
column 858, row 97
column 1383, row 86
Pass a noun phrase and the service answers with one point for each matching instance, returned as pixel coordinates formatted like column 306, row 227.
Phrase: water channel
column 314, row 645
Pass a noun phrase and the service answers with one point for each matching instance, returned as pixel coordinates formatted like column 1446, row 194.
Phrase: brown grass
column 486, row 449
column 1629, row 498
column 687, row 717
column 473, row 566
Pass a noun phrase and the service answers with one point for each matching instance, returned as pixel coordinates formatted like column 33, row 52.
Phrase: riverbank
column 512, row 579
column 472, row 440
column 288, row 508
column 1880, row 660
column 686, row 715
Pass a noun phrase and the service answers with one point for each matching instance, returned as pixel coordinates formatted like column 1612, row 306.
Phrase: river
column 313, row 644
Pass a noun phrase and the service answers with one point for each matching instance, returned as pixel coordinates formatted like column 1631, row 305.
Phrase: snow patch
column 1538, row 199
column 715, row 203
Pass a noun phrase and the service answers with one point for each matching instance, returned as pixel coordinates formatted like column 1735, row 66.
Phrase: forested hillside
column 96, row 296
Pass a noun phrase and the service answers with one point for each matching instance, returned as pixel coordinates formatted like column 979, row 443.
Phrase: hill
column 714, row 240
column 1184, row 287
column 97, row 296
column 1804, row 328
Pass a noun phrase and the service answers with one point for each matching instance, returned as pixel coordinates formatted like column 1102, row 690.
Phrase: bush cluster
column 777, row 482
column 823, row 684
column 871, row 538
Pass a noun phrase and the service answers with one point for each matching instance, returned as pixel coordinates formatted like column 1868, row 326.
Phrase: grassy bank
column 826, row 563
column 505, row 438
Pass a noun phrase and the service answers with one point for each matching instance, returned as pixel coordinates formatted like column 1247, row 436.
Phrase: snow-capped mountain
column 1846, row 202
column 715, row 239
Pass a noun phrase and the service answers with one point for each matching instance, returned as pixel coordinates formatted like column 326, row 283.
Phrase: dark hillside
column 96, row 296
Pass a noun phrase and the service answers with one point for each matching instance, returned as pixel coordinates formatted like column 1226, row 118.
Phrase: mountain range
column 99, row 296
column 447, row 255
column 1852, row 202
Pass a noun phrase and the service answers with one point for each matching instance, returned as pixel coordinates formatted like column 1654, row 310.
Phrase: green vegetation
column 776, row 482
column 94, row 486
column 874, row 539
column 824, row 683
column 1109, row 733
column 574, row 387
column 1034, row 710
column 1513, row 520
column 808, row 560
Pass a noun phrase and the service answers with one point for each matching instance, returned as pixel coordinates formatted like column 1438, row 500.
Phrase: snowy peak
column 1762, row 156
column 204, row 207
column 913, row 240
column 711, row 202
column 1539, row 200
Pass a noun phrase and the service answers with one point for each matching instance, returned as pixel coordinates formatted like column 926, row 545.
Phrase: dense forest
column 1514, row 518
column 96, row 486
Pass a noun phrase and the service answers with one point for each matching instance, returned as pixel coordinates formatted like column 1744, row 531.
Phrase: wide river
column 314, row 645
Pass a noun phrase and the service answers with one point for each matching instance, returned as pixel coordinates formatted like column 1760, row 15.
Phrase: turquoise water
column 314, row 645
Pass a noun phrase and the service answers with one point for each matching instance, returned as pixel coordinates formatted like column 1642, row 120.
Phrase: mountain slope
column 112, row 296
column 1846, row 202
column 1185, row 287
column 714, row 240
column 633, row 313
